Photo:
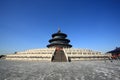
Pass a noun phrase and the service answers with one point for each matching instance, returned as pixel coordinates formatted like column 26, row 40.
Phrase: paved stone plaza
column 79, row 70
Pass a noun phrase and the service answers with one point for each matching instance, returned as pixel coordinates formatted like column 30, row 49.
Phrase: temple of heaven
column 59, row 50
column 59, row 40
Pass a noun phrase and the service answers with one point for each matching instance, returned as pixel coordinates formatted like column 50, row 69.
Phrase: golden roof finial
column 59, row 30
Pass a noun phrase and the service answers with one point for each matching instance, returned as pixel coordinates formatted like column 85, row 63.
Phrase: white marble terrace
column 46, row 54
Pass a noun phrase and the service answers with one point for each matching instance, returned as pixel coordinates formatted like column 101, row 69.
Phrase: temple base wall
column 46, row 54
column 29, row 59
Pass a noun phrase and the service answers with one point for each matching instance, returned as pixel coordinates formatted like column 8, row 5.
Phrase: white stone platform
column 45, row 54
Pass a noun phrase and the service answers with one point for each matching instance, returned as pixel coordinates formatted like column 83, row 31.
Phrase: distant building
column 2, row 56
column 115, row 53
column 59, row 50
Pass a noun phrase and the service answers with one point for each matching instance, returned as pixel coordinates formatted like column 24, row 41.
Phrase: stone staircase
column 59, row 56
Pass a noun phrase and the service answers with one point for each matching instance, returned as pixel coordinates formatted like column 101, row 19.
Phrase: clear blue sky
column 28, row 24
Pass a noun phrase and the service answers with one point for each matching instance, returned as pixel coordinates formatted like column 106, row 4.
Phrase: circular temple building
column 59, row 40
